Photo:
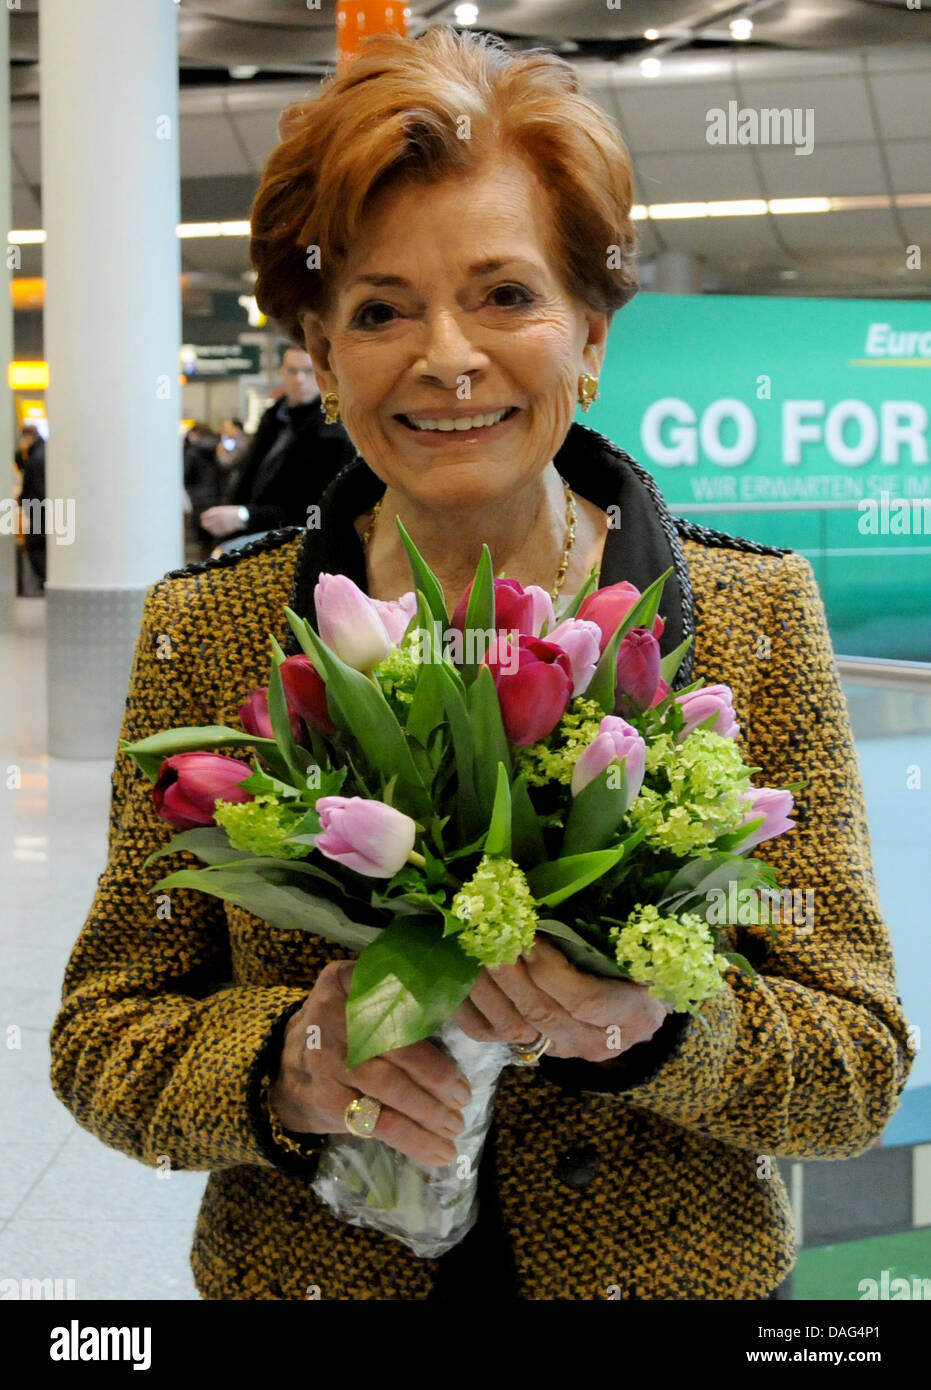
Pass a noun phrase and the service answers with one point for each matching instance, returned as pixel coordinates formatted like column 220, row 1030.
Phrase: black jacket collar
column 642, row 543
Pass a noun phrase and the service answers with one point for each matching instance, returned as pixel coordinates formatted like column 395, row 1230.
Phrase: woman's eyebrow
column 485, row 267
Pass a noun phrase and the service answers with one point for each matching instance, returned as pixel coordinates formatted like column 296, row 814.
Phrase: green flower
column 675, row 956
column 691, row 793
column 397, row 675
column 497, row 908
column 260, row 826
column 553, row 758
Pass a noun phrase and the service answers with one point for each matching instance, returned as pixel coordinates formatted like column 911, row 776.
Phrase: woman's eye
column 372, row 314
column 513, row 296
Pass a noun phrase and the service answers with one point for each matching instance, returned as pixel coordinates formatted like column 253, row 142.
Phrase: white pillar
column 7, row 421
column 110, row 201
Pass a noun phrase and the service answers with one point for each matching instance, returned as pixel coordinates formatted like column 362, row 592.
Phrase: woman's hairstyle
column 427, row 109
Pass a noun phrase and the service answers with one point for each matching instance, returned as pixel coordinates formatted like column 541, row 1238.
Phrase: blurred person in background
column 30, row 460
column 294, row 456
column 201, row 482
column 230, row 454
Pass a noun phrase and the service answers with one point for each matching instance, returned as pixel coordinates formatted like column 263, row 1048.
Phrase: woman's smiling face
column 453, row 307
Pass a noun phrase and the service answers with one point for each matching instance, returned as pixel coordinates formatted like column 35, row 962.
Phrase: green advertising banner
column 796, row 422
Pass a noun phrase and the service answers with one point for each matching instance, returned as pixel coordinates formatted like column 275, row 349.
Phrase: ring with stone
column 361, row 1116
column 529, row 1054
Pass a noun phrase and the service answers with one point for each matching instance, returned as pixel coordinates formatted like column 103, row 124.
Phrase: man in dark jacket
column 293, row 458
column 30, row 458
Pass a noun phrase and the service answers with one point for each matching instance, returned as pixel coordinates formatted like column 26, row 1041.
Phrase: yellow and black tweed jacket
column 644, row 1181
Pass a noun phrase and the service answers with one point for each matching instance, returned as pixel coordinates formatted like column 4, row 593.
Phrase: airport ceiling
column 862, row 66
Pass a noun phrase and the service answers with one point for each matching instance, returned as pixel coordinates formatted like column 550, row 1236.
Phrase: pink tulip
column 255, row 719
column 609, row 607
column 638, row 662
column 662, row 690
column 349, row 623
column 189, row 784
column 544, row 615
column 514, row 608
column 368, row 836
column 581, row 641
column 396, row 614
column 615, row 742
column 534, row 690
column 305, row 692
column 774, row 805
column 699, row 705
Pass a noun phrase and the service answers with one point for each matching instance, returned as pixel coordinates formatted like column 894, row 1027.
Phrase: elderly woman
column 447, row 227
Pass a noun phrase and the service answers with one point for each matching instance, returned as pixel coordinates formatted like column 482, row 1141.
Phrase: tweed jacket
column 649, row 1179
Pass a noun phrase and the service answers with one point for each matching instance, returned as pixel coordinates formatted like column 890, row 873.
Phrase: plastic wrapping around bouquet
column 366, row 1183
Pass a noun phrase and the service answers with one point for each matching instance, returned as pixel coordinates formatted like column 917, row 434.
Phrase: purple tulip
column 368, row 836
column 616, row 741
column 774, row 805
column 581, row 641
column 349, row 623
column 305, row 692
column 396, row 614
column 189, row 784
column 638, row 672
column 534, row 689
column 255, row 719
column 699, row 705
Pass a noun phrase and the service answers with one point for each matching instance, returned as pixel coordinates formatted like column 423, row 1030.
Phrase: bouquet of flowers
column 432, row 790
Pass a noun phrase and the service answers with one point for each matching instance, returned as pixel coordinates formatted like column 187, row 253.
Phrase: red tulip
column 609, row 607
column 637, row 672
column 189, row 784
column 255, row 719
column 534, row 683
column 514, row 607
column 305, row 692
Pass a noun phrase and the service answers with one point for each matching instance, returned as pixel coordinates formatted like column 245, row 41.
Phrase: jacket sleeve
column 152, row 1049
column 809, row 1059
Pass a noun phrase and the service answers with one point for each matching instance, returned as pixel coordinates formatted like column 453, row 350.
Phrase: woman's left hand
column 585, row 1016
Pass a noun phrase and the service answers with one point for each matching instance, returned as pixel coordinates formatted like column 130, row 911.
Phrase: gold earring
column 588, row 390
column 330, row 408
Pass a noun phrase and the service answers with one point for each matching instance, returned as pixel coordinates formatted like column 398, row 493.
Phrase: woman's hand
column 421, row 1090
column 585, row 1016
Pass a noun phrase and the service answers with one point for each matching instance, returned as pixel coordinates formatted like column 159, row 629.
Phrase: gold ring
column 361, row 1116
column 529, row 1054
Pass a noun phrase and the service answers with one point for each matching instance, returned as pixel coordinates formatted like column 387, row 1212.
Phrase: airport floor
column 73, row 1210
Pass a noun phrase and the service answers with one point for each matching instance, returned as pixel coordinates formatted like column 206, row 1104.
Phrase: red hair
column 429, row 109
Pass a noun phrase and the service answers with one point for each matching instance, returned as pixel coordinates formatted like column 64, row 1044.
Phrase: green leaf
column 480, row 616
column 527, row 847
column 426, row 710
column 404, row 985
column 557, row 880
column 498, row 839
column 425, row 579
column 468, row 807
column 735, row 958
column 285, row 906
column 489, row 740
column 149, row 753
column 671, row 663
column 575, row 603
column 596, row 813
column 297, row 759
column 208, row 842
column 603, row 685
column 578, row 950
column 359, row 707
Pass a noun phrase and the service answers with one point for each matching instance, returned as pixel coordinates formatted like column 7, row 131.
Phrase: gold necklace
column 566, row 550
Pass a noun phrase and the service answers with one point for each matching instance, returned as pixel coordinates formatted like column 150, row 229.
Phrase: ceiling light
column 741, row 207
column 466, row 14
column 651, row 67
column 779, row 205
column 651, row 34
column 243, row 70
column 741, row 29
